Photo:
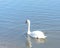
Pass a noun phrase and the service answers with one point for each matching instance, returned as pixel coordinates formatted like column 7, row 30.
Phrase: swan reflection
column 41, row 40
column 29, row 43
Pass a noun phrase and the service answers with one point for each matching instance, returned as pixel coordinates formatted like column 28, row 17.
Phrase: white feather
column 35, row 34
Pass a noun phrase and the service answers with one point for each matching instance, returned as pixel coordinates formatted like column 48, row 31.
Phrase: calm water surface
column 44, row 16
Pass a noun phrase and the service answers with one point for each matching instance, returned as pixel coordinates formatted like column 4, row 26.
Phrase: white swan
column 35, row 34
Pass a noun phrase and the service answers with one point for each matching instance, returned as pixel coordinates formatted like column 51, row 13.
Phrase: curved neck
column 29, row 28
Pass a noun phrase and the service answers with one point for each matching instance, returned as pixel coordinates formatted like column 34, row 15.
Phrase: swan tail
column 45, row 36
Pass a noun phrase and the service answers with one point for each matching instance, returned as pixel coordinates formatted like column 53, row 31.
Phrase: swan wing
column 37, row 34
column 33, row 35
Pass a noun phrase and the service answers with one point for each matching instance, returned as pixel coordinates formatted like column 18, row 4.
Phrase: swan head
column 28, row 21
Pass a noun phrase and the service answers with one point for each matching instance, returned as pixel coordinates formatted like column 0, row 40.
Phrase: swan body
column 35, row 34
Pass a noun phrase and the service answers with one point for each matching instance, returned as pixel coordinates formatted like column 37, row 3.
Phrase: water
column 44, row 16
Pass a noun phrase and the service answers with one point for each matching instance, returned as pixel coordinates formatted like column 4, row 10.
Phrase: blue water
column 44, row 16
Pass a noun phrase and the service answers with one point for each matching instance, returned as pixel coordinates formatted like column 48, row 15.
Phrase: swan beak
column 26, row 22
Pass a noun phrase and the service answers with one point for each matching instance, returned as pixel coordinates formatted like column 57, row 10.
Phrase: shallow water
column 44, row 16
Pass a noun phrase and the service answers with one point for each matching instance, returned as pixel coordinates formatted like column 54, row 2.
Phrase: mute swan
column 34, row 34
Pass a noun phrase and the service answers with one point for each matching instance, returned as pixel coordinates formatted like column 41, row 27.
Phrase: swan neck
column 29, row 28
